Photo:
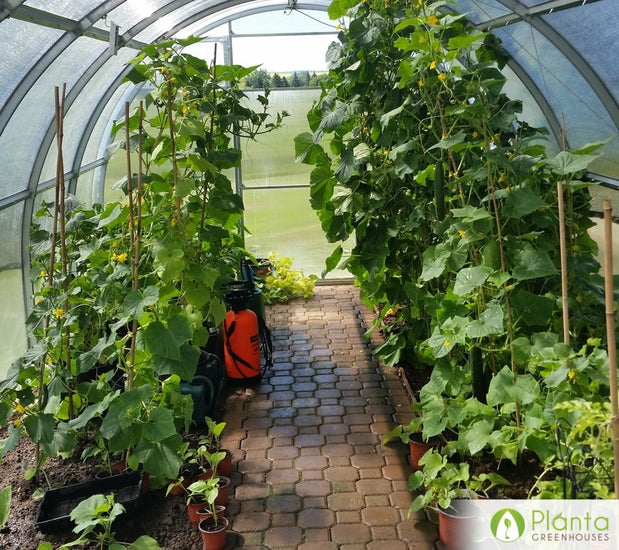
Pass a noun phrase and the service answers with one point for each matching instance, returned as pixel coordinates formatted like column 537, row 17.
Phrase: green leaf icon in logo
column 507, row 525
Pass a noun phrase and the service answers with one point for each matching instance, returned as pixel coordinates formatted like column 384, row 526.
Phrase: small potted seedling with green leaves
column 211, row 523
column 411, row 435
column 211, row 441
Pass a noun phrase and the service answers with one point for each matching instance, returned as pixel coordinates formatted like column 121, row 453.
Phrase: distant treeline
column 263, row 79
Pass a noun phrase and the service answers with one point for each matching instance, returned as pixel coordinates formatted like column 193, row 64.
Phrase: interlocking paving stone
column 311, row 473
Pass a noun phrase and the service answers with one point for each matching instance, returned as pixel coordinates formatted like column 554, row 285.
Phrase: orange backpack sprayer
column 241, row 336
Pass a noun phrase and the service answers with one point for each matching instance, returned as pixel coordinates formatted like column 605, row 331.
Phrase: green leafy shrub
column 452, row 200
column 285, row 283
column 124, row 297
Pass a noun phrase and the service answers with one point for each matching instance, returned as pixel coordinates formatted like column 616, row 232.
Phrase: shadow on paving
column 311, row 472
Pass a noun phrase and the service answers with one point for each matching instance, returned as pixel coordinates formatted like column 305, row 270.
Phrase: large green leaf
column 333, row 260
column 520, row 202
column 160, row 425
column 533, row 263
column 180, row 329
column 489, row 322
column 566, row 163
column 477, row 436
column 160, row 458
column 161, row 341
column 63, row 443
column 471, row 278
column 40, row 427
column 144, row 543
column 451, row 332
column 335, row 118
column 5, row 505
column 92, row 411
column 185, row 366
column 434, row 262
column 463, row 41
column 506, row 387
column 532, row 309
column 170, row 261
column 471, row 213
column 137, row 300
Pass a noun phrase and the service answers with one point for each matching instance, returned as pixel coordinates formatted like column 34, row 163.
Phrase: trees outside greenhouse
column 465, row 214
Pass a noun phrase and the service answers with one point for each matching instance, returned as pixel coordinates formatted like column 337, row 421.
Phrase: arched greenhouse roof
column 564, row 60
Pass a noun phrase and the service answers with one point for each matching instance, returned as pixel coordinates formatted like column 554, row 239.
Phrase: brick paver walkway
column 311, row 473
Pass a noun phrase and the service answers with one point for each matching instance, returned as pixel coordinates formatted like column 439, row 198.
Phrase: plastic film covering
column 65, row 8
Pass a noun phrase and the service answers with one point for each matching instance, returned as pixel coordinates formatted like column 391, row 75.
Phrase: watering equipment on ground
column 243, row 336
column 205, row 387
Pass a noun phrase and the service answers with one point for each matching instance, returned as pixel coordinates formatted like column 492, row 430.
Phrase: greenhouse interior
column 316, row 233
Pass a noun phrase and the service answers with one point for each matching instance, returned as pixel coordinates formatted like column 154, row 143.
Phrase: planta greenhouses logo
column 507, row 525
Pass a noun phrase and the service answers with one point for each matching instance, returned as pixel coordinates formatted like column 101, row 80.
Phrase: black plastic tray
column 57, row 504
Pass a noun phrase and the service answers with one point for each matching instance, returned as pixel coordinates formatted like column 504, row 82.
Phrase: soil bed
column 163, row 518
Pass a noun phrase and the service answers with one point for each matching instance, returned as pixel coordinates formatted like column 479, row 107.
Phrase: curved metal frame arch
column 81, row 27
column 45, row 143
column 577, row 60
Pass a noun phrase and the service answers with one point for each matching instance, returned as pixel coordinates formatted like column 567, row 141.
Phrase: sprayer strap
column 232, row 353
column 267, row 342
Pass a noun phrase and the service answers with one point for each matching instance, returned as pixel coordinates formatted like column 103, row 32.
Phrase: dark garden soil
column 163, row 518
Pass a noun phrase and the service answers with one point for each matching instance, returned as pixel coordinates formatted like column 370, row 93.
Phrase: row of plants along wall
column 451, row 201
column 127, row 293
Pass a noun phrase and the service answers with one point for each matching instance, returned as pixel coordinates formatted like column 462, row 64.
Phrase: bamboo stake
column 563, row 251
column 563, row 254
column 60, row 193
column 210, row 142
column 610, row 335
column 170, row 104
column 132, row 245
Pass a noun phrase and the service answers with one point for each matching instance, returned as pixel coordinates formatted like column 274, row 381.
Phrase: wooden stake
column 132, row 237
column 563, row 249
column 563, row 253
column 610, row 335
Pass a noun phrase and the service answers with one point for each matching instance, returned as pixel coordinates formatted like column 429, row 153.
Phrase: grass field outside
column 278, row 220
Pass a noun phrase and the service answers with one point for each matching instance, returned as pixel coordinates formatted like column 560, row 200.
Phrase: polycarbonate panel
column 12, row 319
column 67, row 8
column 568, row 93
column 479, row 11
column 270, row 160
column 296, row 21
column 531, row 112
column 161, row 25
column 283, row 53
column 10, row 243
column 132, row 12
column 593, row 32
column 20, row 140
column 75, row 117
column 80, row 111
column 23, row 45
column 96, row 148
column 282, row 221
column 212, row 18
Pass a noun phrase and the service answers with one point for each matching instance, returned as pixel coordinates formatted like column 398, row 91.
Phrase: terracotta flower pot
column 204, row 513
column 419, row 447
column 192, row 511
column 178, row 489
column 454, row 526
column 222, row 497
column 225, row 466
column 213, row 536
column 221, row 500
